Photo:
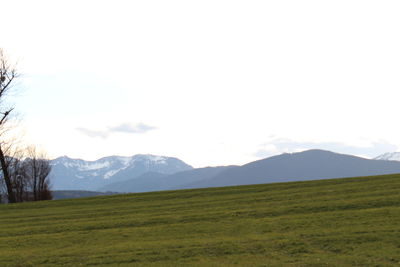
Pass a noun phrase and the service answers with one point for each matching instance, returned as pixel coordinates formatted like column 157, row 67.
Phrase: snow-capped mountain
column 73, row 174
column 389, row 156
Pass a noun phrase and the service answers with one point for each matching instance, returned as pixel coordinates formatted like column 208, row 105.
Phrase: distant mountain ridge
column 143, row 173
column 153, row 181
column 307, row 165
column 312, row 164
column 77, row 174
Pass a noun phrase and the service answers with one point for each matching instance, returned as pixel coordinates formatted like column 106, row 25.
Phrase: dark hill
column 153, row 181
column 307, row 165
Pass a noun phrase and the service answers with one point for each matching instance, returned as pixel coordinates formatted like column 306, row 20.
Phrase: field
column 338, row 222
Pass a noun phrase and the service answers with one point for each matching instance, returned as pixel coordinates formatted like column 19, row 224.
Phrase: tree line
column 24, row 174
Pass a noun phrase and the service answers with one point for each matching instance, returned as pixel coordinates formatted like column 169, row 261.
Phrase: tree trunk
column 6, row 174
column 35, row 177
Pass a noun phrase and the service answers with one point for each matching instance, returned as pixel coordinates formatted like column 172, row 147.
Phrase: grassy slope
column 330, row 222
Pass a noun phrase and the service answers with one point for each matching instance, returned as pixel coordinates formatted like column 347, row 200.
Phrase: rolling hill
column 338, row 222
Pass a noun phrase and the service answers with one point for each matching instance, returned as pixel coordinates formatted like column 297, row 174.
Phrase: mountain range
column 77, row 174
column 142, row 173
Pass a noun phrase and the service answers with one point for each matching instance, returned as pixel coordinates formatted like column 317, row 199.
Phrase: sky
column 210, row 82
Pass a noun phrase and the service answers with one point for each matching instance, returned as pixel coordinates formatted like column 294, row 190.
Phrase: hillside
column 312, row 164
column 153, row 181
column 63, row 194
column 338, row 222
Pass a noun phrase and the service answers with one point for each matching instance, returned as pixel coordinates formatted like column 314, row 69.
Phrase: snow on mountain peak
column 150, row 158
column 389, row 156
column 70, row 173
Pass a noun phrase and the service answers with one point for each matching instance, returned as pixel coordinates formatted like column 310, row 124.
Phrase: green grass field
column 339, row 222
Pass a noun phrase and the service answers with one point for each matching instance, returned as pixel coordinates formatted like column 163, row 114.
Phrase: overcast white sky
column 210, row 82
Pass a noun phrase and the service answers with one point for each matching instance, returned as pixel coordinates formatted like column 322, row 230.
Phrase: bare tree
column 8, row 74
column 3, row 189
column 24, row 174
column 29, row 170
column 37, row 169
column 14, row 162
column 19, row 180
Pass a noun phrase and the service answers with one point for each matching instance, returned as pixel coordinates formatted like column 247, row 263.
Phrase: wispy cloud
column 127, row 128
column 131, row 128
column 279, row 146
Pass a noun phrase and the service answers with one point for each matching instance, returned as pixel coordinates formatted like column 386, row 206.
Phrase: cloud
column 127, row 128
column 131, row 128
column 279, row 146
